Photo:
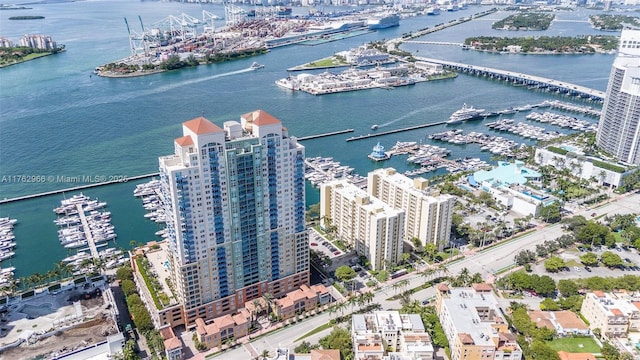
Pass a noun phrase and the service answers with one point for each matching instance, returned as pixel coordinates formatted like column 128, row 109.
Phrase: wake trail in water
column 88, row 102
column 190, row 82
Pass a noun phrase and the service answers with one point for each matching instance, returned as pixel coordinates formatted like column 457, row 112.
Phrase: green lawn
column 575, row 345
column 329, row 61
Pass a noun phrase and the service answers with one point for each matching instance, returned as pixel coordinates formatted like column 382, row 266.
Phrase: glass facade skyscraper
column 619, row 128
column 235, row 204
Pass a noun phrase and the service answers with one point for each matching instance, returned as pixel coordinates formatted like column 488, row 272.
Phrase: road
column 486, row 262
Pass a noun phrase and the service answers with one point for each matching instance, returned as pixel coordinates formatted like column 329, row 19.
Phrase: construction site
column 52, row 324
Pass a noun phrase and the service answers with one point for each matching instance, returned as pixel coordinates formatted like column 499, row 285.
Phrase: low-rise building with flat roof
column 474, row 324
column 507, row 184
column 388, row 335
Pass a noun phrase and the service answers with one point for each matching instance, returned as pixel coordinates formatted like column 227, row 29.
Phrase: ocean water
column 57, row 120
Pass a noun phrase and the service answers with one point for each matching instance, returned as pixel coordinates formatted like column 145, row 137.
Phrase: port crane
column 208, row 19
column 233, row 14
column 137, row 41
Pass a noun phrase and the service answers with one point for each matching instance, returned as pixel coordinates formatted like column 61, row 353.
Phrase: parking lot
column 630, row 258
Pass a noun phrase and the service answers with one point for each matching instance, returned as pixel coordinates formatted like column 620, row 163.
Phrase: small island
column 524, row 21
column 544, row 44
column 132, row 68
column 612, row 22
column 17, row 54
column 27, row 17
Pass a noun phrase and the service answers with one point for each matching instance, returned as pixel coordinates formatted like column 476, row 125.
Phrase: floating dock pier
column 302, row 138
column 362, row 137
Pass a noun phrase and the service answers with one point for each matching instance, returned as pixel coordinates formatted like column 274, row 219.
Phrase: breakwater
column 79, row 187
column 362, row 137
column 317, row 136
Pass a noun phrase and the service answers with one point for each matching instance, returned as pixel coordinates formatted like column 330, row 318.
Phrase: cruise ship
column 464, row 114
column 433, row 10
column 383, row 22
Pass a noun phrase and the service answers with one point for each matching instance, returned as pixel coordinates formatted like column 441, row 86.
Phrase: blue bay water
column 58, row 120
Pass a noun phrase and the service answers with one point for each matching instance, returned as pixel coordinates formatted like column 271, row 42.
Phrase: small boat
column 256, row 66
column 374, row 127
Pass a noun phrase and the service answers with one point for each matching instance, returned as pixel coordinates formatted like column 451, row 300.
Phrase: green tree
column 540, row 350
column 549, row 305
column 382, row 276
column 304, row 348
column 554, row 264
column 609, row 351
column 545, row 285
column 124, row 272
column 340, row 339
column 567, row 287
column 345, row 273
column 610, row 259
column 589, row 259
column 128, row 352
column 128, row 287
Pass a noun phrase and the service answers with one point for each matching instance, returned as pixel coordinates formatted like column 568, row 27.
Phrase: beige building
column 387, row 335
column 234, row 202
column 374, row 229
column 474, row 324
column 614, row 314
column 563, row 322
column 428, row 218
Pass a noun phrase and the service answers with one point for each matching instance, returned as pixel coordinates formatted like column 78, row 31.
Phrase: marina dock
column 362, row 137
column 317, row 136
column 87, row 231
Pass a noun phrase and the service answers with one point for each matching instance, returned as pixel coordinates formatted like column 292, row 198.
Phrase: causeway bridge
column 433, row 42
column 520, row 79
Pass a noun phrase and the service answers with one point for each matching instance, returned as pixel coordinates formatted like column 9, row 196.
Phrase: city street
column 486, row 262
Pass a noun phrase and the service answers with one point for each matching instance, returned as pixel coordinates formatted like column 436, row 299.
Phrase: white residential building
column 234, row 198
column 428, row 218
column 619, row 127
column 585, row 167
column 474, row 324
column 389, row 335
column 374, row 229
column 614, row 314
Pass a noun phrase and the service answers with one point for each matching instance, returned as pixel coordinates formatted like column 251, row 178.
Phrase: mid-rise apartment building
column 474, row 324
column 374, row 229
column 615, row 314
column 428, row 217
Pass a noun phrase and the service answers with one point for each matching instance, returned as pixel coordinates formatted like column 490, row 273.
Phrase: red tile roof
column 443, row 287
column 482, row 287
column 598, row 293
column 173, row 343
column 184, row 141
column 616, row 312
column 200, row 126
column 575, row 356
column 328, row 354
column 261, row 117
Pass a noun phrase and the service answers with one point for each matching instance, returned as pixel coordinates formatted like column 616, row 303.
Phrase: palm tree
column 428, row 273
column 352, row 301
column 268, row 298
column 265, row 354
column 396, row 286
column 332, row 310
